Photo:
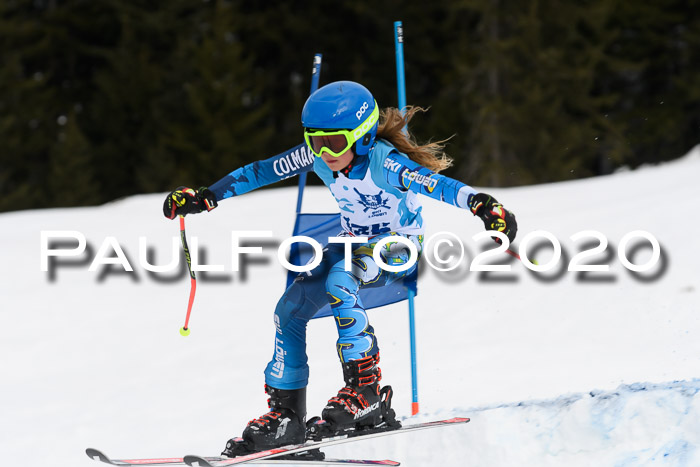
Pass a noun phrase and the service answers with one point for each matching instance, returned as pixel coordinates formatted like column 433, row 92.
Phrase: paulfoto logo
column 442, row 252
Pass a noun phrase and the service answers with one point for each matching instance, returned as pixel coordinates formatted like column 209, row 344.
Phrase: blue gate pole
column 315, row 75
column 401, row 86
column 400, row 76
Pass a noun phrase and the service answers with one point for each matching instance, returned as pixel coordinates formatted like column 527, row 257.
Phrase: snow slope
column 602, row 371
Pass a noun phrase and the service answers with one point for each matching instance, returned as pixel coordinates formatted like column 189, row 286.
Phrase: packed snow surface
column 554, row 368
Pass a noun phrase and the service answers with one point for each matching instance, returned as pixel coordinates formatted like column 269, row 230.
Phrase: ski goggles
column 337, row 142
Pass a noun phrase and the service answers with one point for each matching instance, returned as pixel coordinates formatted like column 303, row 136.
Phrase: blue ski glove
column 185, row 201
column 494, row 215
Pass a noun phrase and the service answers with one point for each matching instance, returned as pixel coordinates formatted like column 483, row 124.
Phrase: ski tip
column 196, row 461
column 457, row 420
column 96, row 455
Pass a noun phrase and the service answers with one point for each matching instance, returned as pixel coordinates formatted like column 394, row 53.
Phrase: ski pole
column 513, row 254
column 517, row 256
column 185, row 331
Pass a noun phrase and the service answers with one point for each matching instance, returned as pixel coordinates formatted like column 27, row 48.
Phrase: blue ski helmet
column 343, row 105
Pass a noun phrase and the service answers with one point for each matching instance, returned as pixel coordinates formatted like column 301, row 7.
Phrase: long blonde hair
column 391, row 125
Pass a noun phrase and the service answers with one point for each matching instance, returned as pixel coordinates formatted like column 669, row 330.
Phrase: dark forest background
column 100, row 99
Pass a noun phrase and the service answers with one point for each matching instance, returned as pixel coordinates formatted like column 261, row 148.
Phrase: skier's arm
column 405, row 174
column 292, row 162
column 260, row 173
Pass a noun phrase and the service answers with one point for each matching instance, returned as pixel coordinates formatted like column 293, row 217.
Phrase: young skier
column 375, row 171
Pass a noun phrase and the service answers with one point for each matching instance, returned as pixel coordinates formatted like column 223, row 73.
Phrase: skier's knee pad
column 365, row 269
column 341, row 285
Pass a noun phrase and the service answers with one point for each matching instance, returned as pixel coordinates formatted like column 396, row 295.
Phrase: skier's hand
column 185, row 201
column 494, row 215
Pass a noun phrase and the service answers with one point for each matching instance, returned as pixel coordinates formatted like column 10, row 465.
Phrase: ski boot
column 282, row 425
column 360, row 407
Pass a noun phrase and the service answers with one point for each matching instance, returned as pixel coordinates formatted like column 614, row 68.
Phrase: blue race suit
column 377, row 198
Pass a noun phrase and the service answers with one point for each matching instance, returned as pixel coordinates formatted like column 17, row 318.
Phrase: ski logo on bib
column 372, row 202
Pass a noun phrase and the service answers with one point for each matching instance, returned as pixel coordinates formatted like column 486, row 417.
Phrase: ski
column 97, row 455
column 196, row 461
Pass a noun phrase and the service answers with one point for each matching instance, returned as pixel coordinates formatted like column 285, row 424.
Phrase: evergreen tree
column 46, row 66
column 123, row 117
column 71, row 175
column 655, row 73
column 215, row 116
column 523, row 82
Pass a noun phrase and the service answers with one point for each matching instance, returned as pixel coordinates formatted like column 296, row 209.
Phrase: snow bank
column 637, row 424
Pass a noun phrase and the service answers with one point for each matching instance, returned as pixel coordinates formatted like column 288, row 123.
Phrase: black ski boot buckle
column 388, row 414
